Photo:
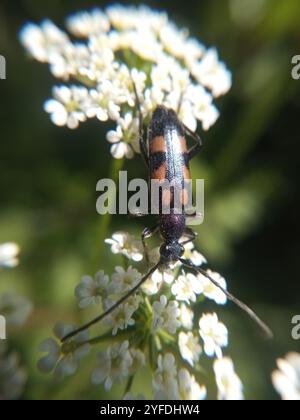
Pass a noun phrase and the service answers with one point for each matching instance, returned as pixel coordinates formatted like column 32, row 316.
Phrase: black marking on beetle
column 186, row 159
column 157, row 159
column 164, row 119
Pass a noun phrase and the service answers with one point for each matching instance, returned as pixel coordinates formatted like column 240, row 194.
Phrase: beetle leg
column 190, row 234
column 199, row 143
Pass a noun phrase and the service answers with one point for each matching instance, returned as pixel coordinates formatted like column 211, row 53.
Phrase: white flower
column 210, row 290
column 161, row 77
column 121, row 45
column 63, row 358
column 91, row 291
column 124, row 280
column 188, row 388
column 165, row 386
column 43, row 41
column 71, row 62
column 121, row 317
column 152, row 98
column 9, row 255
column 190, row 253
column 171, row 384
column 129, row 17
column 138, row 360
column 125, row 244
column 186, row 287
column 155, row 282
column 15, row 309
column 84, row 24
column 125, row 138
column 145, row 44
column 166, row 276
column 152, row 285
column 67, row 107
column 113, row 365
column 186, row 317
column 214, row 334
column 103, row 102
column 212, row 73
column 229, row 384
column 186, row 114
column 193, row 52
column 189, row 347
column 201, row 105
column 286, row 379
column 165, row 315
column 173, row 40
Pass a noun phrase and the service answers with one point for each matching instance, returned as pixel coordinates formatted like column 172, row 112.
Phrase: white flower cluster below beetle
column 110, row 58
column 159, row 314
column 286, row 379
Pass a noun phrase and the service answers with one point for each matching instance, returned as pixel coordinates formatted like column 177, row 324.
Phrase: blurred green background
column 250, row 163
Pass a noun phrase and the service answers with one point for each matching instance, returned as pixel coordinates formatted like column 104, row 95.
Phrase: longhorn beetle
column 166, row 155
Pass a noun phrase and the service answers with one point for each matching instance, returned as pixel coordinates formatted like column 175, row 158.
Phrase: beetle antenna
column 113, row 307
column 232, row 298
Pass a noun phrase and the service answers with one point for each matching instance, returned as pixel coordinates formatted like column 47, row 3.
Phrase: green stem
column 165, row 336
column 128, row 385
column 148, row 306
column 108, row 336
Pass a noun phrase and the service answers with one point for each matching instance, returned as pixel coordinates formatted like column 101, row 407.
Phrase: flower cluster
column 9, row 255
column 123, row 61
column 158, row 316
column 14, row 311
column 171, row 383
column 63, row 359
column 286, row 379
column 12, row 376
column 117, row 363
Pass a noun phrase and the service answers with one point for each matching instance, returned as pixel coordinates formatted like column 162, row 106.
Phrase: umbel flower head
column 113, row 62
column 156, row 331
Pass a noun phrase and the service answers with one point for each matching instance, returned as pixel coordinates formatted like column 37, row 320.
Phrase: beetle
column 167, row 157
